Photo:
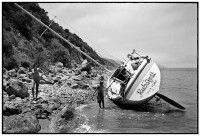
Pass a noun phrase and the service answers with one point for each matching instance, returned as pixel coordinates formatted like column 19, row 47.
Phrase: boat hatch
column 121, row 75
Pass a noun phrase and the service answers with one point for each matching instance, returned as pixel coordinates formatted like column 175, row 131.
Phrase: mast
column 62, row 37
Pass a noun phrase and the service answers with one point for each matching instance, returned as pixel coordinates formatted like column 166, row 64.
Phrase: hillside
column 23, row 46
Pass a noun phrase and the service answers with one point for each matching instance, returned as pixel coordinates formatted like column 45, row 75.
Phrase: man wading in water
column 100, row 93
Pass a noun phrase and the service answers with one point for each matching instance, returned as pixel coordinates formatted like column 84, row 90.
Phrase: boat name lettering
column 154, row 83
column 145, row 83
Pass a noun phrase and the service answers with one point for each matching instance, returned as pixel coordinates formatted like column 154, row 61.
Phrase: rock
column 74, row 86
column 52, row 107
column 82, row 85
column 30, row 75
column 11, row 110
column 44, row 116
column 84, row 73
column 59, row 70
column 77, row 78
column 56, row 79
column 12, row 73
column 38, row 111
column 26, row 80
column 59, row 64
column 73, row 64
column 48, row 79
column 25, row 110
column 18, row 101
column 5, row 83
column 18, row 89
column 12, row 97
column 48, row 110
column 52, row 69
column 61, row 107
column 84, row 63
column 42, row 82
column 22, row 76
column 38, row 116
column 44, row 105
column 85, row 66
column 23, row 123
column 22, row 70
column 66, row 121
column 64, row 78
column 66, row 71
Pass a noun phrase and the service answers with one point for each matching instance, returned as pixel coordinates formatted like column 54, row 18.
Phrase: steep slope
column 22, row 44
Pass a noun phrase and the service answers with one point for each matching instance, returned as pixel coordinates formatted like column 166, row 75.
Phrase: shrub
column 41, row 60
column 10, row 63
column 69, row 114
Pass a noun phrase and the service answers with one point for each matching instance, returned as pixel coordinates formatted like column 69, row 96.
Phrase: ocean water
column 155, row 117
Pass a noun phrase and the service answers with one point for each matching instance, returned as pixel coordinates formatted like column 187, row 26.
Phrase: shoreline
column 64, row 88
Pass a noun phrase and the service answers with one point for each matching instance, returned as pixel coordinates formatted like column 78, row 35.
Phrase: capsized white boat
column 134, row 82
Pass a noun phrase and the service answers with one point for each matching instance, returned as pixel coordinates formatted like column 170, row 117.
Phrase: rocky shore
column 61, row 91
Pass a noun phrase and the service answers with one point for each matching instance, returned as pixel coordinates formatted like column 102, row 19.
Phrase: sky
column 166, row 32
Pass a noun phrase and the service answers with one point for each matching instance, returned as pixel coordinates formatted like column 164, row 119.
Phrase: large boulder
column 23, row 123
column 65, row 121
column 12, row 73
column 59, row 64
column 22, row 70
column 85, row 66
column 18, row 89
column 11, row 107
column 11, row 110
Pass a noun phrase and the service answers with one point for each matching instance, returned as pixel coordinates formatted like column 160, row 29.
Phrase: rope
column 72, row 45
column 86, row 38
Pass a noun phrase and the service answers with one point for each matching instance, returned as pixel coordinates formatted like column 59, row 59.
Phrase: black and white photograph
column 92, row 67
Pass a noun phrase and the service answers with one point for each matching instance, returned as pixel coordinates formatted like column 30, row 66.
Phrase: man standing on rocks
column 100, row 93
column 36, row 80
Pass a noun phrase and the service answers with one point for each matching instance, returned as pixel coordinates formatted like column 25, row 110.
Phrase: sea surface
column 179, row 85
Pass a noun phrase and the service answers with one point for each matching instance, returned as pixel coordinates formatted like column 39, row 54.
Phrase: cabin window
column 121, row 74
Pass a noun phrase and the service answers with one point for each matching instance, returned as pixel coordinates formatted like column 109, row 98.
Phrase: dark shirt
column 100, row 93
column 36, row 75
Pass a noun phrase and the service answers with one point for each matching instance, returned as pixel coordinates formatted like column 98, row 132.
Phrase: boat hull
column 140, row 88
column 131, row 103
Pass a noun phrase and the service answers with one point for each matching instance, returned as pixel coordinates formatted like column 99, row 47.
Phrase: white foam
column 84, row 128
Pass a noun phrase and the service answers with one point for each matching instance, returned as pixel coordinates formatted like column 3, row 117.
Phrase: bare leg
column 33, row 86
column 37, row 87
column 33, row 91
column 99, row 104
column 103, row 103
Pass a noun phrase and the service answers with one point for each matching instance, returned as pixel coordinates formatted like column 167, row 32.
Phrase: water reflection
column 114, row 119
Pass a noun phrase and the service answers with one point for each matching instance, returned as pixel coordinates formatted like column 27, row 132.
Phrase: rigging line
column 102, row 50
column 72, row 45
column 86, row 38
column 49, row 26
column 91, row 41
column 110, row 55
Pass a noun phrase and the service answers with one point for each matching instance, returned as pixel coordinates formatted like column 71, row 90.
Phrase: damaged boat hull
column 141, row 87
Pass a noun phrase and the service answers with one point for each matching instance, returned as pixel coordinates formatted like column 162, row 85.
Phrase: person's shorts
column 100, row 98
column 34, row 82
